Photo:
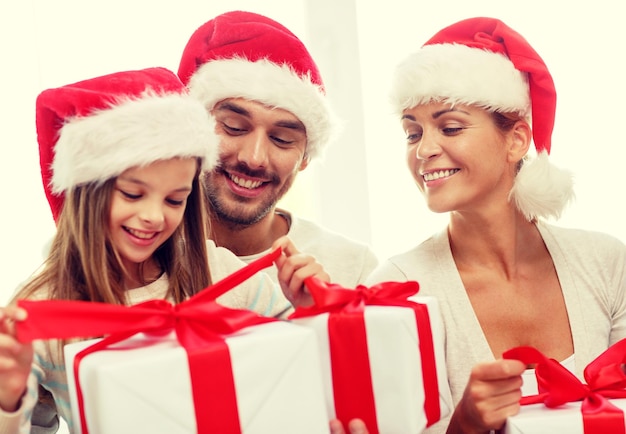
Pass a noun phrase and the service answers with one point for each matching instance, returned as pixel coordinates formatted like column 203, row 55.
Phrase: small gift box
column 382, row 354
column 565, row 403
column 195, row 367
column 567, row 419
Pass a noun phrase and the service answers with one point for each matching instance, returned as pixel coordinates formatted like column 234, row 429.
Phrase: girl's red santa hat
column 246, row 55
column 95, row 129
column 483, row 62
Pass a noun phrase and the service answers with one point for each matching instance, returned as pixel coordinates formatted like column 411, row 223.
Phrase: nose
column 256, row 149
column 427, row 147
column 152, row 214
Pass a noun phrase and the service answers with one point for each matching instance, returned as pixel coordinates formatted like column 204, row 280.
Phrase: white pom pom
column 542, row 189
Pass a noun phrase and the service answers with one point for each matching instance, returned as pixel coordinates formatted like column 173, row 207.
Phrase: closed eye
column 175, row 202
column 129, row 195
column 451, row 131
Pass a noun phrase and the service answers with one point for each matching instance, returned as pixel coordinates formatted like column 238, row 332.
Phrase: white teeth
column 142, row 235
column 245, row 183
column 440, row 174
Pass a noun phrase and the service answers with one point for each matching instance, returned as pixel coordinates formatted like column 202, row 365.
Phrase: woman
column 471, row 101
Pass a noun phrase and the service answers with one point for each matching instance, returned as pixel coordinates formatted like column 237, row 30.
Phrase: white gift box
column 143, row 385
column 539, row 419
column 395, row 364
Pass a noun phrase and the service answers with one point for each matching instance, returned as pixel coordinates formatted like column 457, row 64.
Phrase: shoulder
column 415, row 263
column 582, row 241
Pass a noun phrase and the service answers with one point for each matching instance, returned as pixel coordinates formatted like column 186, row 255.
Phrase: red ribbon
column 352, row 378
column 200, row 325
column 605, row 379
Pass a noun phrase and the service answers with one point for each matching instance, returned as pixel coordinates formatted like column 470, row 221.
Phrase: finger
column 287, row 246
column 336, row 427
column 498, row 370
column 13, row 313
column 357, row 426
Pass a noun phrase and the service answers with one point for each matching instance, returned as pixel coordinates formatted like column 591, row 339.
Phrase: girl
column 121, row 155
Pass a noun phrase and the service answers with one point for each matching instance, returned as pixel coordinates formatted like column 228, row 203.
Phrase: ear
column 519, row 143
column 305, row 162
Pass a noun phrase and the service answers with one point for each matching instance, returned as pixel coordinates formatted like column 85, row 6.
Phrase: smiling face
column 147, row 205
column 261, row 151
column 458, row 158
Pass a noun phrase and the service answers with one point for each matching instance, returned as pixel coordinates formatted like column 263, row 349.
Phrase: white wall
column 363, row 189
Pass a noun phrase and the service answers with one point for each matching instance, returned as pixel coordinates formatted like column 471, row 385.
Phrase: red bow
column 200, row 325
column 604, row 376
column 352, row 385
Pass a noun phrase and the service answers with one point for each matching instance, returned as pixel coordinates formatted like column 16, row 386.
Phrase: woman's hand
column 293, row 268
column 356, row 426
column 492, row 394
column 16, row 359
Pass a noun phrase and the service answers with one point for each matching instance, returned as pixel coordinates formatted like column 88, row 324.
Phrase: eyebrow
column 140, row 182
column 437, row 114
column 235, row 108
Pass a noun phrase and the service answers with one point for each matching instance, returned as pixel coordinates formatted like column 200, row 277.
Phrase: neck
column 500, row 240
column 245, row 240
column 139, row 275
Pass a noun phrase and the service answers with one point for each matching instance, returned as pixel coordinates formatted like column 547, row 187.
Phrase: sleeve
column 259, row 293
column 370, row 263
column 19, row 421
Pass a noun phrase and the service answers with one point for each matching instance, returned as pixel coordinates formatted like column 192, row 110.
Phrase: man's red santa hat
column 483, row 62
column 246, row 55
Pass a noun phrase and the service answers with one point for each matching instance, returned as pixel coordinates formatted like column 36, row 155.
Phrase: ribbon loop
column 605, row 379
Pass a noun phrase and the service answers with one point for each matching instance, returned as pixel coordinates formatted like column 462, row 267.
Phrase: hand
column 16, row 359
column 293, row 268
column 491, row 395
column 356, row 426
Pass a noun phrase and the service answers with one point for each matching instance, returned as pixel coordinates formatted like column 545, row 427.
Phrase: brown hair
column 83, row 265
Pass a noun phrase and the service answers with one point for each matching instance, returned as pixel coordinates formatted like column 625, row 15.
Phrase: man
column 264, row 89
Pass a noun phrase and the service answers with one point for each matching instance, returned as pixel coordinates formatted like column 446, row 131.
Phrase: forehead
column 257, row 110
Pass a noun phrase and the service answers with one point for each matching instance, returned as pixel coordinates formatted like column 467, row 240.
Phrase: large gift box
column 192, row 367
column 144, row 384
column 382, row 354
column 566, row 404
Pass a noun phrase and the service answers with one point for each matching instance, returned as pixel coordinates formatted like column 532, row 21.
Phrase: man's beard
column 239, row 213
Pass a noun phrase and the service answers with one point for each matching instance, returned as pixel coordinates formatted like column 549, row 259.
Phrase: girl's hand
column 293, row 268
column 16, row 359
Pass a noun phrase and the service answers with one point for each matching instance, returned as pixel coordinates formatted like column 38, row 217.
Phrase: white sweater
column 591, row 268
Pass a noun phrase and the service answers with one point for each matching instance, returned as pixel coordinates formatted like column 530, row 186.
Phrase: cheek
column 174, row 218
column 411, row 160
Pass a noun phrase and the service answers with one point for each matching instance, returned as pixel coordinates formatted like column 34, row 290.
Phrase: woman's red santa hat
column 246, row 55
column 483, row 62
column 95, row 129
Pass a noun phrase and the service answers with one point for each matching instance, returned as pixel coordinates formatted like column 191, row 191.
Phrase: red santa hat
column 483, row 62
column 95, row 129
column 246, row 55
